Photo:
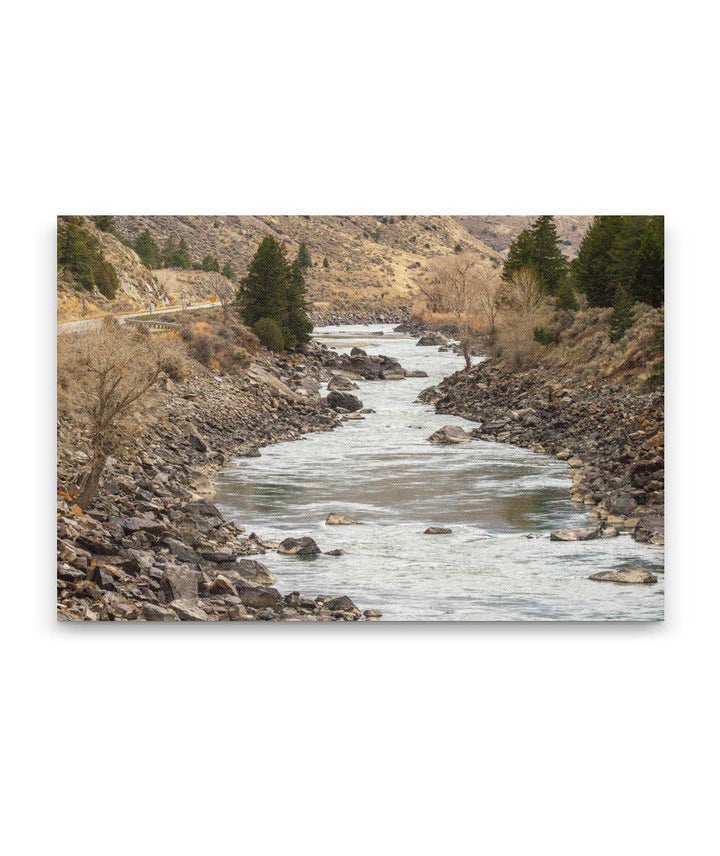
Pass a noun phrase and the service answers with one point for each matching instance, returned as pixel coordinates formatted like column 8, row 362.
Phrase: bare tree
column 103, row 376
column 226, row 293
column 524, row 294
column 465, row 287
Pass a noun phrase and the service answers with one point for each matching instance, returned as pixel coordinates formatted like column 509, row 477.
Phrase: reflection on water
column 501, row 502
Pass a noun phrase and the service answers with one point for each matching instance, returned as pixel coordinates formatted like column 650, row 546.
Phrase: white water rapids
column 501, row 503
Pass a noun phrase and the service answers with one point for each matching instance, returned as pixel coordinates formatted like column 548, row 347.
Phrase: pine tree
column 303, row 256
column 520, row 255
column 210, row 263
column 566, row 298
column 104, row 222
column 169, row 252
column 326, row 263
column 228, row 271
column 183, row 255
column 547, row 259
column 623, row 316
column 648, row 277
column 263, row 291
column 147, row 249
column 297, row 325
column 590, row 270
column 106, row 279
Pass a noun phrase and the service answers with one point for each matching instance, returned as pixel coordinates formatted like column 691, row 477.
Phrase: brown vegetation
column 104, row 378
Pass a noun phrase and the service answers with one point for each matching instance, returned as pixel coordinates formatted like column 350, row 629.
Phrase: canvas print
column 360, row 418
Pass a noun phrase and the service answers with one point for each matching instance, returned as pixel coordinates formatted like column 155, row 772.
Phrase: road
column 89, row 323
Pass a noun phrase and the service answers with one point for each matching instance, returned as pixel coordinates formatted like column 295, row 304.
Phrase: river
column 501, row 502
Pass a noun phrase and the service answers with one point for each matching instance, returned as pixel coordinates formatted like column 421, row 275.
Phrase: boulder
column 343, row 401
column 181, row 551
column 340, row 520
column 448, row 435
column 582, row 534
column 342, row 604
column 335, row 553
column 628, row 576
column 197, row 442
column 260, row 597
column 392, row 373
column 432, row 340
column 180, row 584
column 221, row 585
column 372, row 613
column 298, row 547
column 416, row 373
column 358, row 352
column 437, row 530
column 340, row 383
column 155, row 612
column 650, row 529
column 254, row 571
column 187, row 611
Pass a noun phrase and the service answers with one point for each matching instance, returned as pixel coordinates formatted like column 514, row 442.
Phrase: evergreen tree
column 147, row 249
column 106, row 279
column 648, row 277
column 303, row 257
column 622, row 317
column 210, row 263
column 104, row 222
column 326, row 263
column 520, row 255
column 269, row 333
column 228, row 271
column 622, row 250
column 168, row 252
column 263, row 291
column 590, row 270
column 566, row 298
column 183, row 255
column 297, row 325
column 547, row 259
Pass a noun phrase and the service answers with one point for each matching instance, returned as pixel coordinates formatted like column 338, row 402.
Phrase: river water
column 501, row 502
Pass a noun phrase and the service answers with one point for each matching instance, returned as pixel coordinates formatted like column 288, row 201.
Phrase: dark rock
column 187, row 611
column 197, row 442
column 342, row 604
column 437, row 530
column 155, row 612
column 358, row 352
column 335, row 552
column 181, row 551
column 298, row 547
column 260, row 597
column 343, row 401
column 254, row 571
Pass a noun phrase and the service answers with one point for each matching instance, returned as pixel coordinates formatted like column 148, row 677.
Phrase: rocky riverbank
column 151, row 546
column 610, row 435
column 359, row 313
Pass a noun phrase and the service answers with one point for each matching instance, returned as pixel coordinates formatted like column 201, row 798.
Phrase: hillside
column 499, row 232
column 137, row 286
column 369, row 258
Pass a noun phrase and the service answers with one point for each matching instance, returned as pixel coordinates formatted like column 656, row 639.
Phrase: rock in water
column 358, row 352
column 583, row 534
column 437, row 530
column 432, row 339
column 343, row 401
column 628, row 576
column 339, row 383
column 298, row 547
column 340, row 520
column 449, row 434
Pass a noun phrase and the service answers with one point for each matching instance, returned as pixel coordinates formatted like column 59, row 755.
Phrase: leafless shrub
column 466, row 287
column 104, row 377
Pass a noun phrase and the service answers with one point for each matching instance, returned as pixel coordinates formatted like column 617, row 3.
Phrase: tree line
column 621, row 261
column 79, row 252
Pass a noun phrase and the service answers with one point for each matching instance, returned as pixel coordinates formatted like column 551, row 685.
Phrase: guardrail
column 152, row 326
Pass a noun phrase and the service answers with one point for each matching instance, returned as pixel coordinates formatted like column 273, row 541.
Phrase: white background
column 391, row 739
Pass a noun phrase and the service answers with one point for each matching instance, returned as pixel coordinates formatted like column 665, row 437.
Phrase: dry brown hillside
column 500, row 231
column 369, row 258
